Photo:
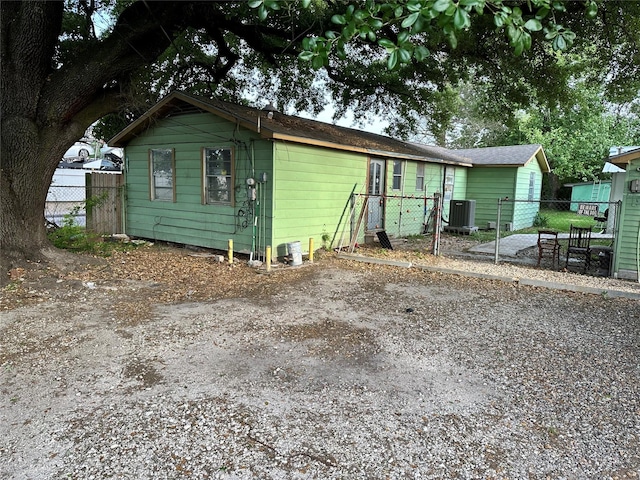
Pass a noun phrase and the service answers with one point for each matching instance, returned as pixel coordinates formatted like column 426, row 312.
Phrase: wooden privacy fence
column 104, row 192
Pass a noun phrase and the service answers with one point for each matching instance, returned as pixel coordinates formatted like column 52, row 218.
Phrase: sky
column 347, row 121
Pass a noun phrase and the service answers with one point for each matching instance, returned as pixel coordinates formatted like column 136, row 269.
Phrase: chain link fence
column 512, row 231
column 376, row 218
column 95, row 203
column 516, row 231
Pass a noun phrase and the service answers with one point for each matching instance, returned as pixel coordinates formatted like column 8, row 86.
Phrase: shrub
column 541, row 220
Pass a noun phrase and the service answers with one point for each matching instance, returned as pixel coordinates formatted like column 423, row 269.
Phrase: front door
column 375, row 204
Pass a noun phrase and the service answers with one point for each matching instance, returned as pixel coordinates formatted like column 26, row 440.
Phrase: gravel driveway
column 342, row 371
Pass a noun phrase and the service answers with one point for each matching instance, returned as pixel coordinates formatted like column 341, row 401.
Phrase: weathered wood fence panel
column 104, row 198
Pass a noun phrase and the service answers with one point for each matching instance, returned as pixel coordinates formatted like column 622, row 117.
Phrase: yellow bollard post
column 311, row 250
column 268, row 257
column 230, row 251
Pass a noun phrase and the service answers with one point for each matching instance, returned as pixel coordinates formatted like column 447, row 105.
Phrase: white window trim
column 152, row 180
column 418, row 176
column 230, row 175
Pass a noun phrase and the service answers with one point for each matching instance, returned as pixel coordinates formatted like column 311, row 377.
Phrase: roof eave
column 168, row 102
column 624, row 159
column 370, row 151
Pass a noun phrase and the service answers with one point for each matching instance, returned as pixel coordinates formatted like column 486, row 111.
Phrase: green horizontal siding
column 486, row 185
column 525, row 213
column 626, row 257
column 312, row 185
column 187, row 220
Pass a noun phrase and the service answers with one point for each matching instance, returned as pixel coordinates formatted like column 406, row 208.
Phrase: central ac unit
column 462, row 213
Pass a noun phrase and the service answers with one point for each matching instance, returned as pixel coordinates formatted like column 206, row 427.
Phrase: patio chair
column 548, row 243
column 601, row 221
column 579, row 245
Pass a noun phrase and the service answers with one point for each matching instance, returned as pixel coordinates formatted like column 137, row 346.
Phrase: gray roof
column 508, row 156
column 290, row 128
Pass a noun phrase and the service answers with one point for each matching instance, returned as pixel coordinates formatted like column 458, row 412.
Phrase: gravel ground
column 157, row 364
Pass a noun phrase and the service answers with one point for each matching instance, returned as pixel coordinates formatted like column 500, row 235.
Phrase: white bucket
column 295, row 253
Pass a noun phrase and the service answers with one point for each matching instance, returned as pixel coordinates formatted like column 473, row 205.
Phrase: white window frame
column 420, row 177
column 222, row 173
column 397, row 175
column 532, row 185
column 162, row 180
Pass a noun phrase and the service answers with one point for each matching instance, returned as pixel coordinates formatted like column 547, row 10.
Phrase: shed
column 597, row 191
column 201, row 171
column 510, row 172
column 627, row 248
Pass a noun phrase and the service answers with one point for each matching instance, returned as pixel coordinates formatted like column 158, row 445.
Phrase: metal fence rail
column 512, row 235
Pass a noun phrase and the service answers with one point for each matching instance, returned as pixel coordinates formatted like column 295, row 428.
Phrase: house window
column 449, row 181
column 532, row 185
column 397, row 174
column 420, row 177
column 162, row 172
column 218, row 187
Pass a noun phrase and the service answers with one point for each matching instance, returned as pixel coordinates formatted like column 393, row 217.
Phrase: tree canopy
column 66, row 64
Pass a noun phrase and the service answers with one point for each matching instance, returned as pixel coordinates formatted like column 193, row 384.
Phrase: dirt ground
column 162, row 363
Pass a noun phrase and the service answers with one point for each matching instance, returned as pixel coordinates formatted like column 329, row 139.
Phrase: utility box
column 462, row 213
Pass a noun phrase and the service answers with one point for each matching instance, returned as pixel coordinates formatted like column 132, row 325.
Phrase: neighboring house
column 626, row 187
column 201, row 172
column 598, row 191
column 511, row 172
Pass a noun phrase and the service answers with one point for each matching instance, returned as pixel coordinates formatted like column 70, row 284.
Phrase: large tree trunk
column 29, row 32
column 46, row 108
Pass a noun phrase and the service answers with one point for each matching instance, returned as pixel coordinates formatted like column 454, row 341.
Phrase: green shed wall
column 187, row 220
column 524, row 213
column 486, row 185
column 626, row 256
column 312, row 186
column 590, row 193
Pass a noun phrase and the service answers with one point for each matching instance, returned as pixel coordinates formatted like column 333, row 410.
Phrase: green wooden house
column 626, row 256
column 510, row 172
column 202, row 172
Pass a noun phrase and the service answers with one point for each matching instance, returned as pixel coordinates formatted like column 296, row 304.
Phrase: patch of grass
column 12, row 286
column 75, row 238
column 487, row 235
column 560, row 221
column 325, row 240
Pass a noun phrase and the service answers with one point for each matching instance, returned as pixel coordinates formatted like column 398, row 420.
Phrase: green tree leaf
column 420, row 53
column 441, row 5
column 533, row 25
column 339, row 20
column 392, row 60
column 404, row 55
column 386, row 43
column 410, row 20
column 262, row 13
column 461, row 19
